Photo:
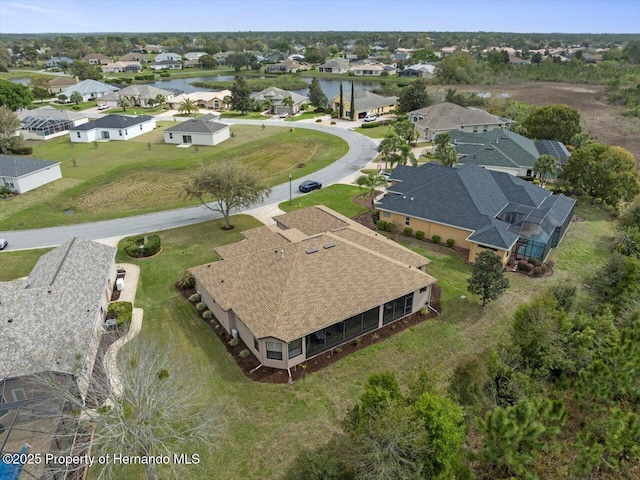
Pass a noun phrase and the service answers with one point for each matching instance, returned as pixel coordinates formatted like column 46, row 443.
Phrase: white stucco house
column 89, row 89
column 198, row 131
column 112, row 127
column 21, row 174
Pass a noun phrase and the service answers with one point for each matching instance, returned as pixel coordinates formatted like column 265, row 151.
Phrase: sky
column 526, row 16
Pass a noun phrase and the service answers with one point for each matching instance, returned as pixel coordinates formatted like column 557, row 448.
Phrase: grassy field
column 144, row 174
column 275, row 422
column 338, row 196
column 248, row 115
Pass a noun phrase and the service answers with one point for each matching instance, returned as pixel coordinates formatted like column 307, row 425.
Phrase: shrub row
column 534, row 266
column 149, row 76
column 121, row 311
column 165, row 74
column 386, row 226
column 21, row 150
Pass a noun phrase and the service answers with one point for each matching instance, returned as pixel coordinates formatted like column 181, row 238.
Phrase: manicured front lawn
column 144, row 174
column 69, row 106
column 247, row 116
column 380, row 131
column 338, row 197
column 305, row 116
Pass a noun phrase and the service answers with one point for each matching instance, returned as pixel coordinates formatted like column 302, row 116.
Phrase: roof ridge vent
column 311, row 250
column 329, row 245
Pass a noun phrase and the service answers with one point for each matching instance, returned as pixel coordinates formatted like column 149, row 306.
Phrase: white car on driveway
column 370, row 118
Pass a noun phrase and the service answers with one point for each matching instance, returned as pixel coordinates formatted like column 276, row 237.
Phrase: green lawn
column 144, row 174
column 274, row 422
column 247, row 116
column 375, row 132
column 69, row 106
column 338, row 196
column 18, row 264
column 305, row 116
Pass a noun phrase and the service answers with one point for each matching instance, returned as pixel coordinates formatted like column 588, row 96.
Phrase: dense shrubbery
column 133, row 246
column 121, row 311
column 419, row 235
column 21, row 150
column 435, row 238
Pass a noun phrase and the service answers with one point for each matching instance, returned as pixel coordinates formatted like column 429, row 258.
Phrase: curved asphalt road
column 361, row 151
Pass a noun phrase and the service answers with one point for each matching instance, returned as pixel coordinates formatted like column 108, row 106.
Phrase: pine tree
column 317, row 98
column 241, row 95
column 341, row 102
column 487, row 278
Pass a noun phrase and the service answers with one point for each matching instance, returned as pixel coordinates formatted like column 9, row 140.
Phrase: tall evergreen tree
column 352, row 110
column 487, row 278
column 414, row 97
column 241, row 95
column 317, row 98
column 341, row 102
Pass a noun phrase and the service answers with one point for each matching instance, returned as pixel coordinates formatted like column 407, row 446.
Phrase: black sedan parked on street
column 309, row 185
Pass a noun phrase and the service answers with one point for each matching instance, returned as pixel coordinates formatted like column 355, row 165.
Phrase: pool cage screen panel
column 45, row 126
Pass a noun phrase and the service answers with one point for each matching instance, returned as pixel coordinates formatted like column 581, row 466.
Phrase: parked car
column 370, row 118
column 3, row 243
column 103, row 107
column 284, row 115
column 309, row 185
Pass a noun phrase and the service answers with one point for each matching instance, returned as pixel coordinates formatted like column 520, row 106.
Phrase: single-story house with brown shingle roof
column 314, row 281
column 447, row 117
column 59, row 84
column 97, row 59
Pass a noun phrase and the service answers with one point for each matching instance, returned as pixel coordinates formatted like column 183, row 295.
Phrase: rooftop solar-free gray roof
column 15, row 167
column 113, row 121
column 470, row 198
column 197, row 125
column 47, row 322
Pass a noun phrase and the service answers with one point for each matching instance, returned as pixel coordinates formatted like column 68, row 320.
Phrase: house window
column 78, row 134
column 256, row 345
column 475, row 129
column 186, row 138
column 485, row 129
column 8, row 182
column 407, row 221
column 18, row 394
column 529, row 172
column 216, row 104
column 141, row 127
column 274, row 350
column 171, row 136
column 120, row 132
column 423, row 289
column 386, row 214
column 295, row 348
column 126, row 132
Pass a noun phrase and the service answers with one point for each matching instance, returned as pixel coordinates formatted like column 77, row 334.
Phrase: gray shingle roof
column 499, row 148
column 469, row 198
column 449, row 116
column 15, row 167
column 113, row 121
column 53, row 313
column 87, row 87
column 198, row 125
column 276, row 95
column 138, row 91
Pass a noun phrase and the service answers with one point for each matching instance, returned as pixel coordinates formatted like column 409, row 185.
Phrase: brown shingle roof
column 287, row 293
column 312, row 220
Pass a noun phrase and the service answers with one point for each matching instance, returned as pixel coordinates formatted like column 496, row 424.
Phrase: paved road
column 361, row 151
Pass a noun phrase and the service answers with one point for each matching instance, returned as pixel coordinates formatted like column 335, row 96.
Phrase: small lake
column 330, row 87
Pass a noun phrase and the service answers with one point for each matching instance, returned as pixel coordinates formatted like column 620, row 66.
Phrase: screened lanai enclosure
column 538, row 229
column 45, row 126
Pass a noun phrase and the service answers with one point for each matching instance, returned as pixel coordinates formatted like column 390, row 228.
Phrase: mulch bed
column 274, row 375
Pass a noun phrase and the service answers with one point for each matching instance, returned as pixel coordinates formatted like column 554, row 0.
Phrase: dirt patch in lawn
column 602, row 121
column 249, row 363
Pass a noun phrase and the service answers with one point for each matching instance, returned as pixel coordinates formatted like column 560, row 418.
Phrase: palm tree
column 544, row 166
column 159, row 99
column 442, row 139
column 123, row 102
column 447, row 155
column 372, row 182
column 288, row 101
column 188, row 106
column 76, row 97
column 388, row 147
column 406, row 155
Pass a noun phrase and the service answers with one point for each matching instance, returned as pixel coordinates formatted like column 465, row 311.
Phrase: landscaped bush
column 165, row 74
column 244, row 353
column 333, row 123
column 535, row 261
column 318, row 120
column 201, row 306
column 537, row 270
column 121, row 311
column 5, row 192
column 139, row 77
column 207, row 315
column 381, row 225
column 529, row 266
column 128, row 80
column 420, row 235
column 545, row 268
column 523, row 266
column 450, row 242
column 186, row 281
column 371, row 125
column 234, row 342
column 435, row 238
column 390, row 227
column 407, row 231
column 195, row 298
column 132, row 246
column 149, row 76
column 21, row 150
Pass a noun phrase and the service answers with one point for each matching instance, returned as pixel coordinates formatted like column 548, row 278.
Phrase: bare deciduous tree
column 150, row 405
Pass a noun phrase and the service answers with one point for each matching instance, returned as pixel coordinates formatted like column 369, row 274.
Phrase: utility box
column 120, row 284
